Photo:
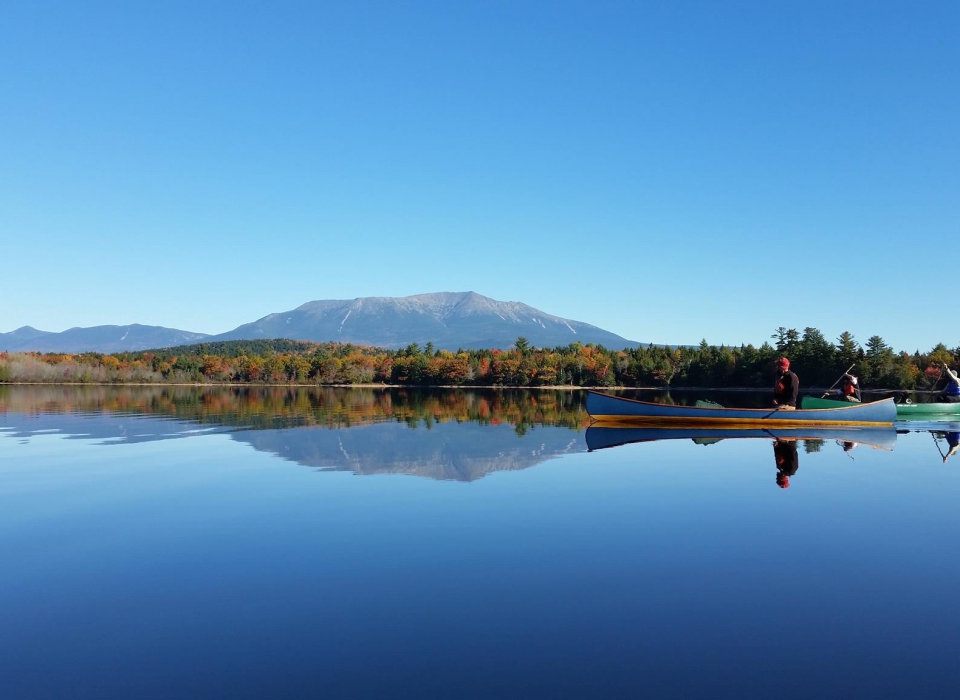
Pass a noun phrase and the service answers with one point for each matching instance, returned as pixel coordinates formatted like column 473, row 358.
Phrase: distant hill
column 97, row 339
column 449, row 320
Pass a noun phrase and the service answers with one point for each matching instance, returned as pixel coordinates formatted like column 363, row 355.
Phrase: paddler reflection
column 788, row 461
column 848, row 446
column 953, row 443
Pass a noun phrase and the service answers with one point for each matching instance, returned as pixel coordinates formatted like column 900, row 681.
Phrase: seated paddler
column 950, row 393
column 849, row 390
column 786, row 386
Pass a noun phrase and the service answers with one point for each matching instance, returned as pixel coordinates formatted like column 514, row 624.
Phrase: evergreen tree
column 847, row 348
column 817, row 356
column 879, row 359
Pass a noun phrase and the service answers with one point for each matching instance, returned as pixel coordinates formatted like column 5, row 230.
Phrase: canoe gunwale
column 904, row 410
column 681, row 422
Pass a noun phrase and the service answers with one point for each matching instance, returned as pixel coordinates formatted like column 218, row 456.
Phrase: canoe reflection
column 784, row 442
column 600, row 437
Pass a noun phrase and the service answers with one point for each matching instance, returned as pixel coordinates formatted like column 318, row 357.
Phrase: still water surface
column 190, row 543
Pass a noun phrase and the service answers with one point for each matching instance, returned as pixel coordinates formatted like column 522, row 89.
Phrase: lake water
column 188, row 543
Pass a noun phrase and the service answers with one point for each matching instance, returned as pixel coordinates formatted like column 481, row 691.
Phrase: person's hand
column 775, row 403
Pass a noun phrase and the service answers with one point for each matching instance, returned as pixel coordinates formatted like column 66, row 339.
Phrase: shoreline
column 562, row 387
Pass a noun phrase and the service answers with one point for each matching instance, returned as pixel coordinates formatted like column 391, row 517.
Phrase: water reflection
column 787, row 460
column 285, row 407
column 785, row 442
column 952, row 439
column 450, row 434
column 453, row 434
column 600, row 437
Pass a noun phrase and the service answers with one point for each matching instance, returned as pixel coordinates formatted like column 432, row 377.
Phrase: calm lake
column 180, row 542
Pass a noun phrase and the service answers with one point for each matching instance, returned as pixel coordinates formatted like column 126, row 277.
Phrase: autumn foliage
column 817, row 361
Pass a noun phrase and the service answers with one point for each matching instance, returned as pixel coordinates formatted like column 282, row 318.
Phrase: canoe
column 816, row 402
column 926, row 410
column 605, row 408
column 600, row 436
column 904, row 410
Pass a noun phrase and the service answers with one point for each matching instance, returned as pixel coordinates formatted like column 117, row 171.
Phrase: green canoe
column 925, row 410
column 904, row 410
column 816, row 402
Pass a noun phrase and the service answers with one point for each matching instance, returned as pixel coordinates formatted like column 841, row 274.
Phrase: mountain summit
column 449, row 320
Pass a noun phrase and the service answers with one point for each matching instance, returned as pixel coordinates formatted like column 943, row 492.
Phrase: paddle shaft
column 935, row 442
column 772, row 412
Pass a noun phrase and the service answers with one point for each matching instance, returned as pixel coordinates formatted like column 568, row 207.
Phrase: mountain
column 449, row 320
column 97, row 339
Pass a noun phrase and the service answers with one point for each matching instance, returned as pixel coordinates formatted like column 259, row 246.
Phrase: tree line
column 816, row 360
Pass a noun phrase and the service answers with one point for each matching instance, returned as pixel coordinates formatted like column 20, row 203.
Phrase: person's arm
column 856, row 387
column 951, row 374
column 950, row 453
column 794, row 388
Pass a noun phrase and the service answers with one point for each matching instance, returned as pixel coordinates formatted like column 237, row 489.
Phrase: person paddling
column 849, row 390
column 951, row 393
column 785, row 387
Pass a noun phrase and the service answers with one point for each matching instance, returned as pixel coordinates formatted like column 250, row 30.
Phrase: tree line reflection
column 460, row 434
column 281, row 407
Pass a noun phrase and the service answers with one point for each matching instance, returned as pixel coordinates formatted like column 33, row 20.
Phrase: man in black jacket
column 785, row 387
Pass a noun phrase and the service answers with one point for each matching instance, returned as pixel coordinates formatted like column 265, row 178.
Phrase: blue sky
column 669, row 171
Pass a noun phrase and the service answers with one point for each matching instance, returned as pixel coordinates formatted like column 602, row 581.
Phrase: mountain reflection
column 458, row 451
column 444, row 434
column 451, row 434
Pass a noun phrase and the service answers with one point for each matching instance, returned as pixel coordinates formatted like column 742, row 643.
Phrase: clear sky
column 668, row 171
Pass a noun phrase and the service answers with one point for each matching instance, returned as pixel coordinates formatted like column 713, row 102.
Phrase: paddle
column 838, row 380
column 771, row 412
column 935, row 442
column 939, row 377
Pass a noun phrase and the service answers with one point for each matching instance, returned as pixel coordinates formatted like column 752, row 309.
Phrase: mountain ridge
column 449, row 320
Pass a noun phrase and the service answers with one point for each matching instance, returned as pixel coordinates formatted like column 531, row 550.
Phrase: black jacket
column 785, row 389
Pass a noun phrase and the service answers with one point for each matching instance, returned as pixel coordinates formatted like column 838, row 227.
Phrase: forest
column 818, row 362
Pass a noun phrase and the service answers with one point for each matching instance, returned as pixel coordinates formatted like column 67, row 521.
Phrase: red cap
column 783, row 481
column 783, row 362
